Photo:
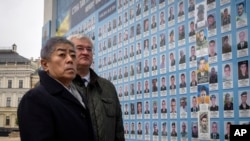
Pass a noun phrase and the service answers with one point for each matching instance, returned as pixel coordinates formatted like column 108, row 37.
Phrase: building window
column 18, row 100
column 7, row 122
column 8, row 102
column 9, row 83
column 20, row 83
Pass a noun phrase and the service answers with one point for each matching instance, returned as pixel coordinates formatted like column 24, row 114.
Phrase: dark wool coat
column 49, row 112
column 104, row 106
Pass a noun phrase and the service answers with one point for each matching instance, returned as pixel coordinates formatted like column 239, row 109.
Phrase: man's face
column 153, row 19
column 154, row 82
column 213, row 100
column 204, row 122
column 182, row 78
column 173, row 128
column 225, row 13
column 240, row 10
column 146, row 63
column 210, row 20
column 139, row 126
column 228, row 100
column 163, row 58
column 201, row 36
column 183, row 127
column 163, row 104
column 192, row 26
column 133, row 126
column 162, row 16
column 203, row 95
column 146, row 84
column 213, row 71
column 147, row 105
column 212, row 47
column 243, row 98
column 139, row 86
column 181, row 7
column 171, row 57
column 181, row 29
column 172, row 80
column 173, row 105
column 139, row 107
column 194, row 129
column 154, row 62
column 163, row 81
column 84, row 54
column 202, row 65
column 214, row 128
column 242, row 36
column 193, row 51
column 227, row 72
column 194, row 102
column 193, row 76
column 182, row 103
column 147, row 126
column 62, row 63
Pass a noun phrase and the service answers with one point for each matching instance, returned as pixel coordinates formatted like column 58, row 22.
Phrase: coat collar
column 94, row 81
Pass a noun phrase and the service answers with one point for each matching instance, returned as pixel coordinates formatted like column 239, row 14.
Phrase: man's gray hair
column 50, row 45
column 81, row 37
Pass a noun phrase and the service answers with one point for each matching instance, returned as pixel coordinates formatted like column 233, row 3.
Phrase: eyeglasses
column 88, row 49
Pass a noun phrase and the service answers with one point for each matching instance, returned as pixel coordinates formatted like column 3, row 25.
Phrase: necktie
column 85, row 82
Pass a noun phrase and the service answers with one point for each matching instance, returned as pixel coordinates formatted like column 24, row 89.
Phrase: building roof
column 10, row 56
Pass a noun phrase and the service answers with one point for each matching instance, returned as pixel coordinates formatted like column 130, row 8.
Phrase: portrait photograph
column 212, row 51
column 182, row 58
column 181, row 11
column 227, row 75
column 182, row 83
column 225, row 19
column 211, row 20
column 163, row 84
column 200, row 15
column 241, row 16
column 202, row 72
column 244, row 103
column 204, row 125
column 155, row 87
column 193, row 81
column 227, row 129
column 146, row 107
column 243, row 73
column 203, row 95
column 228, row 104
column 171, row 38
column 147, row 88
column 242, row 43
column 214, row 105
column 244, row 100
column 226, row 41
column 172, row 62
column 213, row 78
column 171, row 16
column 215, row 130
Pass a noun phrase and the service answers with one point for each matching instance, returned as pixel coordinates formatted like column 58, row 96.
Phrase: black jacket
column 49, row 112
column 104, row 107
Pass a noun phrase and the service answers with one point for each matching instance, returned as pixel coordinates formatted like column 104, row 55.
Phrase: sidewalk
column 9, row 139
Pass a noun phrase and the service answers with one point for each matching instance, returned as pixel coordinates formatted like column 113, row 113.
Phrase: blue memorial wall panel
column 180, row 68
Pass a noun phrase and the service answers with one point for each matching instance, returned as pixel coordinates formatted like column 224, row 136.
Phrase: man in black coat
column 55, row 110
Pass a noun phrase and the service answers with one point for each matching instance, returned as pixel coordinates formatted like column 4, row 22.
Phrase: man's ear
column 44, row 64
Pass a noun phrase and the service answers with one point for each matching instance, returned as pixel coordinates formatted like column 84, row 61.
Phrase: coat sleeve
column 35, row 119
column 119, row 135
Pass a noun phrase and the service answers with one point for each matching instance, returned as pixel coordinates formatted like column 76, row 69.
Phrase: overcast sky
column 21, row 23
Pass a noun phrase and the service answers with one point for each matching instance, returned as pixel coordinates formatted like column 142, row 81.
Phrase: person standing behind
column 104, row 105
column 54, row 110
